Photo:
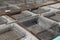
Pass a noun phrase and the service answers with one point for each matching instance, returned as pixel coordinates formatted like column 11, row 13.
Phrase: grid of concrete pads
column 30, row 20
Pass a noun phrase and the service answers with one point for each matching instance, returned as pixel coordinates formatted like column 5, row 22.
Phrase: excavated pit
column 53, row 16
column 39, row 30
column 40, row 11
column 26, row 25
column 23, row 15
column 43, row 9
column 38, row 24
column 38, row 27
column 8, row 32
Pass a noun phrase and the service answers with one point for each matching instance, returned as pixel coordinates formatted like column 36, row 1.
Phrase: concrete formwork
column 12, row 31
column 24, row 15
column 45, row 9
column 42, row 24
column 53, row 16
column 39, row 25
